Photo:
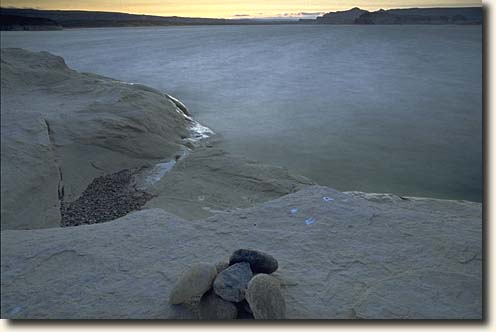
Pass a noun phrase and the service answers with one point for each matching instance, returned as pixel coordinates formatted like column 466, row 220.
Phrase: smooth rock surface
column 213, row 307
column 392, row 259
column 221, row 266
column 194, row 282
column 265, row 298
column 60, row 129
column 260, row 262
column 231, row 283
column 211, row 180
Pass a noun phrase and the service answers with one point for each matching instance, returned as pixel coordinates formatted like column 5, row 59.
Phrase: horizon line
column 243, row 17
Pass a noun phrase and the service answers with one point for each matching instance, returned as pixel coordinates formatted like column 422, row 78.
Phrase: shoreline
column 199, row 173
column 341, row 159
column 341, row 255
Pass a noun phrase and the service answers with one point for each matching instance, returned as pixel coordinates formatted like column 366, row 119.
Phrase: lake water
column 371, row 108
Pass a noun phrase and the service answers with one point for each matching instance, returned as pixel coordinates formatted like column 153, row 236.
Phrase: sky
column 232, row 8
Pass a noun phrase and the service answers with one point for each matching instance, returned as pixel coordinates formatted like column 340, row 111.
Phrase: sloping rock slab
column 60, row 129
column 413, row 258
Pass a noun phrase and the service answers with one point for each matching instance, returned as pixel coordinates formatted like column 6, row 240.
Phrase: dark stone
column 244, row 311
column 213, row 307
column 260, row 262
column 231, row 283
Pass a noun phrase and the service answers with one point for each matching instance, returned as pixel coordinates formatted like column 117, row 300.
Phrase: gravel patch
column 106, row 198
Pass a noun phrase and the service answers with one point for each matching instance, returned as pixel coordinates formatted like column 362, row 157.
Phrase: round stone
column 193, row 283
column 260, row 262
column 221, row 266
column 265, row 298
column 213, row 307
column 231, row 283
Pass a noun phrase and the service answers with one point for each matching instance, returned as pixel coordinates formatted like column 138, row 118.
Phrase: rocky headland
column 432, row 16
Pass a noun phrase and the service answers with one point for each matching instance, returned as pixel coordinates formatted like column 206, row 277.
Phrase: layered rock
column 383, row 258
column 60, row 129
column 211, row 180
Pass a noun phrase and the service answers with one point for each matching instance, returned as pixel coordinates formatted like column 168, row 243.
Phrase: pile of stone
column 106, row 198
column 240, row 288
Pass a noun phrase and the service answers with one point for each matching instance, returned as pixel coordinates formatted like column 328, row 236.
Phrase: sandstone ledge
column 360, row 259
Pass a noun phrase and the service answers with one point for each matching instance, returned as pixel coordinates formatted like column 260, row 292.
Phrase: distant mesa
column 16, row 23
column 91, row 19
column 469, row 15
column 341, row 17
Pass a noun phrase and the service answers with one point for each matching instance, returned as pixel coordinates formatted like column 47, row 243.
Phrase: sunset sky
column 232, row 8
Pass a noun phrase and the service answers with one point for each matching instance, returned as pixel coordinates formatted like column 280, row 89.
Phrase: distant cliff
column 342, row 17
column 463, row 15
column 16, row 23
column 470, row 15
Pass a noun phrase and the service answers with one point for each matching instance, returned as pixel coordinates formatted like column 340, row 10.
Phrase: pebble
column 231, row 283
column 106, row 198
column 260, row 262
column 195, row 282
column 265, row 298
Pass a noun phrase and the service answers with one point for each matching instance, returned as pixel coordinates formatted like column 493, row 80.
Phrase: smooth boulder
column 213, row 307
column 195, row 282
column 265, row 298
column 221, row 266
column 231, row 283
column 260, row 262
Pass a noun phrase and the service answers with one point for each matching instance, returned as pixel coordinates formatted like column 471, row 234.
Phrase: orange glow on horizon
column 231, row 8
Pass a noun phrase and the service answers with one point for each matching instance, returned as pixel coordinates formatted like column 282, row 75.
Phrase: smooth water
column 370, row 108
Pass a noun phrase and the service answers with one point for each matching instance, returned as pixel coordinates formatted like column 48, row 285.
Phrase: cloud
column 301, row 14
column 310, row 13
column 242, row 15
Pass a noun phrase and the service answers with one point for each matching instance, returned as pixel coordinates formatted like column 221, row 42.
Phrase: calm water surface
column 371, row 108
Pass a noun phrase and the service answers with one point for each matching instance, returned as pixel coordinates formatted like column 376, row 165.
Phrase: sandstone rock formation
column 389, row 258
column 60, row 129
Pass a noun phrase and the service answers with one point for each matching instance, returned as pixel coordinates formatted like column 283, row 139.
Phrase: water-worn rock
column 246, row 306
column 231, row 283
column 193, row 283
column 48, row 156
column 265, row 298
column 401, row 259
column 221, row 266
column 260, row 262
column 244, row 311
column 213, row 307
